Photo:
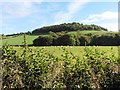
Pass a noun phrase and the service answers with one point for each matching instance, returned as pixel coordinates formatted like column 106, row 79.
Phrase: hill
column 67, row 27
column 74, row 34
column 18, row 40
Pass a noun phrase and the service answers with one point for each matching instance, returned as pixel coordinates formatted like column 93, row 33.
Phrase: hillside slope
column 75, row 30
column 67, row 27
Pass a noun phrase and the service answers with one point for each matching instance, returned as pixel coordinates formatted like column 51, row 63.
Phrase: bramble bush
column 37, row 69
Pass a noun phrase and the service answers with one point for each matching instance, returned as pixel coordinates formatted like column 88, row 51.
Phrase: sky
column 22, row 16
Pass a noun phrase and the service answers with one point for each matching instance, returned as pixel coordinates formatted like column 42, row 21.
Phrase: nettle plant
column 95, row 69
column 28, row 70
column 37, row 68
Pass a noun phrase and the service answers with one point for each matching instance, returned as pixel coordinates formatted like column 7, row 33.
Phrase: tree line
column 64, row 39
column 67, row 27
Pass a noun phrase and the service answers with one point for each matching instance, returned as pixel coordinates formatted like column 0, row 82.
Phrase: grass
column 18, row 40
column 76, row 50
column 90, row 32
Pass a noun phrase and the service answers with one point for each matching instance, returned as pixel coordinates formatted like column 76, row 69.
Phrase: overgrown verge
column 37, row 69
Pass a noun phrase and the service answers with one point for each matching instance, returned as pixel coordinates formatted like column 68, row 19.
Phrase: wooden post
column 25, row 43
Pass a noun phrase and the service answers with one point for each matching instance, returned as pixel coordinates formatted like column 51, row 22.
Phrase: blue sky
column 27, row 16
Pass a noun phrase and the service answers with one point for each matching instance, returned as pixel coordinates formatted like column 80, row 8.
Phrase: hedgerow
column 37, row 69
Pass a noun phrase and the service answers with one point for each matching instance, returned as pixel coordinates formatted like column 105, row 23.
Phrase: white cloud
column 73, row 7
column 110, row 26
column 108, row 15
column 19, row 9
column 22, row 1
column 62, row 0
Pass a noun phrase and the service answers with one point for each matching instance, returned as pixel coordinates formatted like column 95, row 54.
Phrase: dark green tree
column 67, row 39
column 43, row 41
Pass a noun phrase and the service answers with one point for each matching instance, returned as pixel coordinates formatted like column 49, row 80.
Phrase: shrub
column 84, row 40
column 106, row 40
column 65, row 40
column 43, row 41
column 37, row 69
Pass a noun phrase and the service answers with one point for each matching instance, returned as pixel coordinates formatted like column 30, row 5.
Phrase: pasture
column 18, row 40
column 76, row 50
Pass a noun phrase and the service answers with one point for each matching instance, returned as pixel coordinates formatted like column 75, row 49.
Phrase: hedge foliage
column 38, row 69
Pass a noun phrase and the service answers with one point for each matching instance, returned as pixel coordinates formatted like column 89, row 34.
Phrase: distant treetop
column 68, row 27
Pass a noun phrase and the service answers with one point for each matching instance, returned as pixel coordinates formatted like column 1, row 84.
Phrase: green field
column 18, row 40
column 76, row 50
column 91, row 32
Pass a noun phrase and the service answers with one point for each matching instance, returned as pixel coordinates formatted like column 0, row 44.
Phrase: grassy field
column 76, row 50
column 87, row 32
column 91, row 32
column 18, row 40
